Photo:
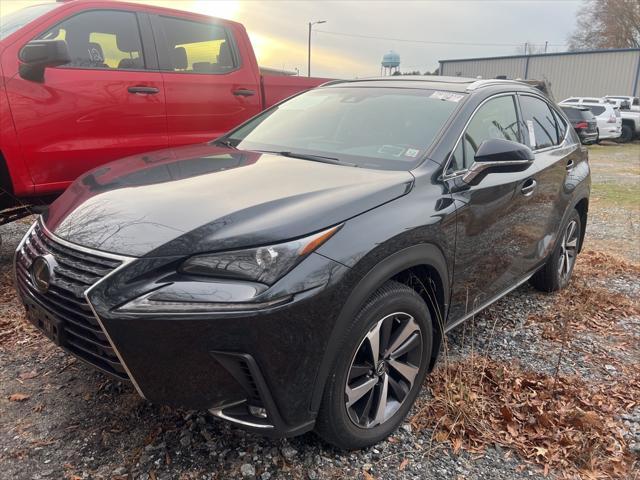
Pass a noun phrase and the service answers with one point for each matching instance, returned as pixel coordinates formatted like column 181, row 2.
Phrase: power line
column 429, row 42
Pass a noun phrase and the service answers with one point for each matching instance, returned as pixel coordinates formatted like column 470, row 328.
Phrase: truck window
column 104, row 39
column 198, row 47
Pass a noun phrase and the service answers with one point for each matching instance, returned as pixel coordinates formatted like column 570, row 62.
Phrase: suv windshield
column 18, row 19
column 384, row 128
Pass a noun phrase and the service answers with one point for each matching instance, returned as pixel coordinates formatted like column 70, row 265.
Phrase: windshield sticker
column 532, row 133
column 411, row 152
column 448, row 96
column 391, row 150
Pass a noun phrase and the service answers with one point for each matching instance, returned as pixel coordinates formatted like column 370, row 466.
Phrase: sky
column 420, row 31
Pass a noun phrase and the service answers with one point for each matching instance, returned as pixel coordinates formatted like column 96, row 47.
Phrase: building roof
column 581, row 52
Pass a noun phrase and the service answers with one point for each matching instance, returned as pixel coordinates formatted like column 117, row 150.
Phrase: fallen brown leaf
column 19, row 397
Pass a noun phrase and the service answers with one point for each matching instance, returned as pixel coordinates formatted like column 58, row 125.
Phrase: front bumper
column 257, row 369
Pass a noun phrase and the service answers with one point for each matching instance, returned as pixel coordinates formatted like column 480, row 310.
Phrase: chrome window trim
column 125, row 262
column 457, row 173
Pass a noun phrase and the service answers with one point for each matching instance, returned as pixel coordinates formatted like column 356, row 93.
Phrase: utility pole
column 311, row 24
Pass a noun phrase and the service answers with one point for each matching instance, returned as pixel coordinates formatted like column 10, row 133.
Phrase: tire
column 627, row 134
column 392, row 311
column 550, row 278
column 597, row 141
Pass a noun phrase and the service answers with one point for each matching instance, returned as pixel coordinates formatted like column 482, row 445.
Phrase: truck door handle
column 528, row 187
column 244, row 92
column 570, row 165
column 141, row 89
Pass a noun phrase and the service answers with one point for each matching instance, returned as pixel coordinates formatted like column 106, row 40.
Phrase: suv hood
column 206, row 198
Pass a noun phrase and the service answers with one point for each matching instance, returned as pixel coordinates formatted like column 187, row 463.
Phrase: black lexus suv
column 300, row 271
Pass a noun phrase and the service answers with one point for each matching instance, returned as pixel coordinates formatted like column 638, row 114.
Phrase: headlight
column 262, row 264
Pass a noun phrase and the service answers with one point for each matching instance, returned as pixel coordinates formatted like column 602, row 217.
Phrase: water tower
column 390, row 63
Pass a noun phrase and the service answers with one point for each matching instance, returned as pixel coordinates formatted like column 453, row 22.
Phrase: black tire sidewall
column 558, row 281
column 338, row 428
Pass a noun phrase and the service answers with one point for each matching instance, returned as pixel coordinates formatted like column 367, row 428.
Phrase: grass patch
column 626, row 195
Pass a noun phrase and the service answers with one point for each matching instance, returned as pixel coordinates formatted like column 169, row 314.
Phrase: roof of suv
column 437, row 82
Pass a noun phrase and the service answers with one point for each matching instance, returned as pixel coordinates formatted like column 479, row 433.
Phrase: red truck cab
column 129, row 78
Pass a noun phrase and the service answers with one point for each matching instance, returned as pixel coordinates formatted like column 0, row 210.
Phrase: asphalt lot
column 61, row 419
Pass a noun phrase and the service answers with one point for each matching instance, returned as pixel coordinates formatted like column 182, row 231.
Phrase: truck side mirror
column 37, row 55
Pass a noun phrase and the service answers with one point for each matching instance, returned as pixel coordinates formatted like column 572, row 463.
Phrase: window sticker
column 448, row 96
column 532, row 134
column 411, row 152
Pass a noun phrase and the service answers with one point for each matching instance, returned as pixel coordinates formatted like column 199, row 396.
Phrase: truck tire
column 627, row 134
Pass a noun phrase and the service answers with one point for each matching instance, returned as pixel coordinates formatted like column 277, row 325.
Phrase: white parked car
column 608, row 115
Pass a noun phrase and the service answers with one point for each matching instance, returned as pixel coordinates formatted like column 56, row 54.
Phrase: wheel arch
column 422, row 267
column 6, row 184
column 582, row 206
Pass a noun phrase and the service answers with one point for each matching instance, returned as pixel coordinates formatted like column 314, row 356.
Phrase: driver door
column 491, row 229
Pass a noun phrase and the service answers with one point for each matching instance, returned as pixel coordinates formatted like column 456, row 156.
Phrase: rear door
column 107, row 103
column 543, row 196
column 492, row 233
column 209, row 87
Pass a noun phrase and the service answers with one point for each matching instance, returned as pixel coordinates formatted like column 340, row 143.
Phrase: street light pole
column 311, row 24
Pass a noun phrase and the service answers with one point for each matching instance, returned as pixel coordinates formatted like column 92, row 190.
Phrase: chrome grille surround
column 77, row 271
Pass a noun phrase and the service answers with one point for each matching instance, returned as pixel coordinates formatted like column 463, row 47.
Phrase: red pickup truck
column 85, row 82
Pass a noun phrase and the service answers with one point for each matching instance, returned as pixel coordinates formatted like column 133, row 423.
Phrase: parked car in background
column 301, row 271
column 609, row 122
column 583, row 121
column 86, row 82
column 609, row 117
column 634, row 102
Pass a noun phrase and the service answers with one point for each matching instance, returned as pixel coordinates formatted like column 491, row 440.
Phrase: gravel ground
column 77, row 423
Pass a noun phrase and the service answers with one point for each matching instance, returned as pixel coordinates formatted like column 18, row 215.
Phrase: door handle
column 528, row 187
column 570, row 165
column 244, row 92
column 141, row 89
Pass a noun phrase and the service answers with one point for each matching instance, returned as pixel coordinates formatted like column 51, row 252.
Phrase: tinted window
column 101, row 39
column 495, row 119
column 198, row 47
column 597, row 110
column 540, row 124
column 386, row 128
column 636, row 101
column 573, row 113
column 562, row 126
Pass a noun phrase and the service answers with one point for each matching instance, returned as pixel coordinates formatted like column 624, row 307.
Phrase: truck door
column 209, row 88
column 105, row 104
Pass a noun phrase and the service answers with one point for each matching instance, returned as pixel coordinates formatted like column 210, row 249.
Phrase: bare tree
column 607, row 24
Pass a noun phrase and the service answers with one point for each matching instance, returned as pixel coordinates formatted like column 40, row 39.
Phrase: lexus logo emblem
column 41, row 272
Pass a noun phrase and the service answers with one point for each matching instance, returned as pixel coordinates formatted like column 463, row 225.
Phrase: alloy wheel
column 568, row 250
column 383, row 370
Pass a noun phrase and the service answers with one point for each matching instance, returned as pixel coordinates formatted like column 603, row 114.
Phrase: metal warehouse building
column 593, row 73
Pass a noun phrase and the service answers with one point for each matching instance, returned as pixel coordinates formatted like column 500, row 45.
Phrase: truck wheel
column 627, row 134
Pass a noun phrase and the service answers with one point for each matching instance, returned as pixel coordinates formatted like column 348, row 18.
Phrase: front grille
column 74, row 273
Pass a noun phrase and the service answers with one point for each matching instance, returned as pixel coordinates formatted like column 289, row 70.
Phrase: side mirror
column 37, row 55
column 498, row 155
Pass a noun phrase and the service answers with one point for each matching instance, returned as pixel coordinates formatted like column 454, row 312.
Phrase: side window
column 106, row 39
column 495, row 119
column 540, row 124
column 636, row 101
column 198, row 47
column 562, row 126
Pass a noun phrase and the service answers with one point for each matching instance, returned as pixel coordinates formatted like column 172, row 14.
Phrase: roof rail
column 492, row 81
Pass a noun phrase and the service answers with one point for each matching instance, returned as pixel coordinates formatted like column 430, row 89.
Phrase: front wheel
column 379, row 369
column 556, row 273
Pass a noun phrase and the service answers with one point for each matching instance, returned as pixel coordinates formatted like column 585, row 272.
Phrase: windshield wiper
column 308, row 156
